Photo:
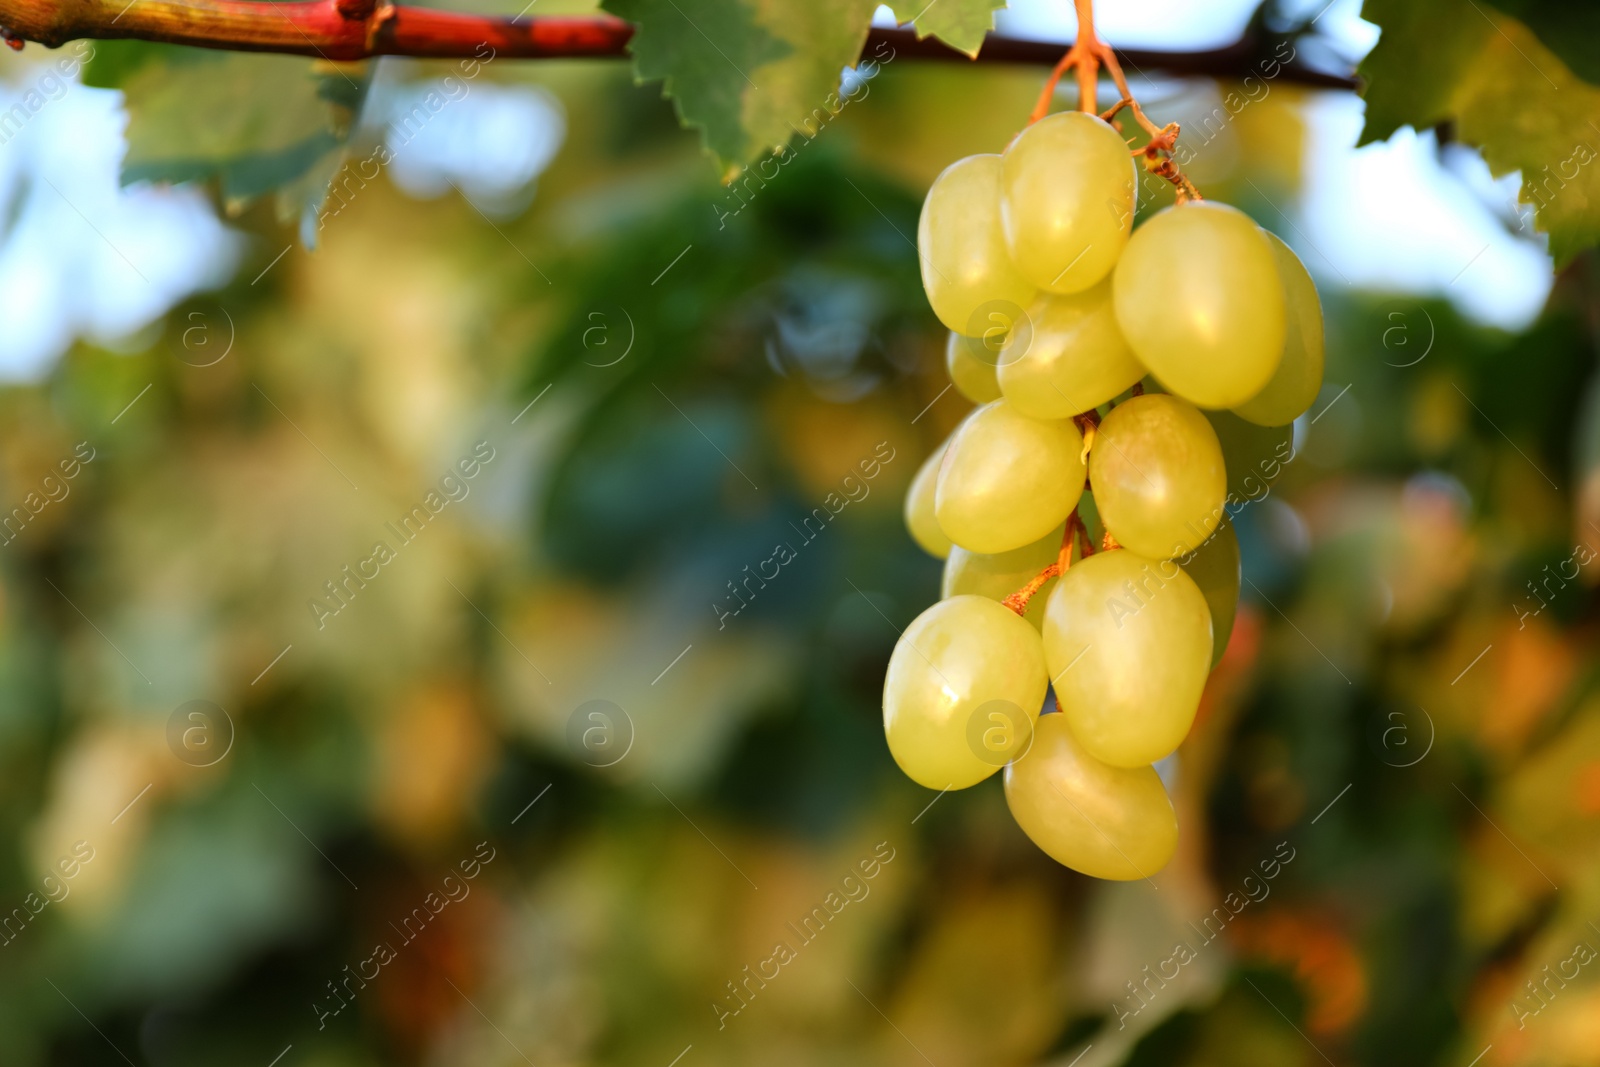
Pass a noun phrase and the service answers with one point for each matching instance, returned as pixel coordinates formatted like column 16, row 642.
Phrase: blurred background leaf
column 255, row 123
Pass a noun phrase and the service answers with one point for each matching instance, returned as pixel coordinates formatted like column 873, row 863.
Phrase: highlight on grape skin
column 1128, row 643
column 1199, row 298
column 1007, row 479
column 954, row 658
column 1066, row 201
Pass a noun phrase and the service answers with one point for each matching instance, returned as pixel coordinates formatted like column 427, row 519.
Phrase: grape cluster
column 1091, row 350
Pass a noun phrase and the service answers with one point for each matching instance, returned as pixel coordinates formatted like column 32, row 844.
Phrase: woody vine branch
column 358, row 29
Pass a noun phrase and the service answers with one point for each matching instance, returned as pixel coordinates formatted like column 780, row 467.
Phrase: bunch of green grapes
column 1058, row 314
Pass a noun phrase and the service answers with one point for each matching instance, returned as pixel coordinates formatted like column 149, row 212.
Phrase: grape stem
column 1018, row 601
column 1087, row 54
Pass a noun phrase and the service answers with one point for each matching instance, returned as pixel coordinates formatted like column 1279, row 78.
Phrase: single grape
column 920, row 520
column 966, row 271
column 1299, row 376
column 1254, row 455
column 998, row 576
column 972, row 367
column 1214, row 566
column 1066, row 200
column 1103, row 821
column 1067, row 356
column 1128, row 643
column 965, row 684
column 1198, row 296
column 1158, row 476
column 1007, row 480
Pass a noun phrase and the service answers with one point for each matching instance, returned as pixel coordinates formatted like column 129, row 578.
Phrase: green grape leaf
column 256, row 123
column 1569, row 29
column 1504, row 91
column 960, row 24
column 748, row 73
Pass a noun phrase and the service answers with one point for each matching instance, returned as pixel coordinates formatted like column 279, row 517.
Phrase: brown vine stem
column 1087, row 54
column 356, row 29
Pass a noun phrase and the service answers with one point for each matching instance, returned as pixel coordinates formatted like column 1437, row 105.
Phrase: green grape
column 1067, row 356
column 972, row 367
column 1128, row 643
column 1103, row 821
column 1007, row 480
column 1255, row 455
column 998, row 576
column 920, row 520
column 965, row 684
column 1198, row 297
column 1158, row 476
column 1066, row 200
column 963, row 254
column 1299, row 376
column 1214, row 566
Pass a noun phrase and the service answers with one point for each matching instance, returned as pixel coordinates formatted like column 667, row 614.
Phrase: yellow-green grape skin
column 1067, row 356
column 956, row 659
column 1214, row 567
column 1299, row 376
column 998, row 576
column 920, row 520
column 1158, row 476
column 1128, row 643
column 1107, row 822
column 961, row 250
column 1254, row 455
column 1007, row 479
column 971, row 373
column 1066, row 200
column 1198, row 297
